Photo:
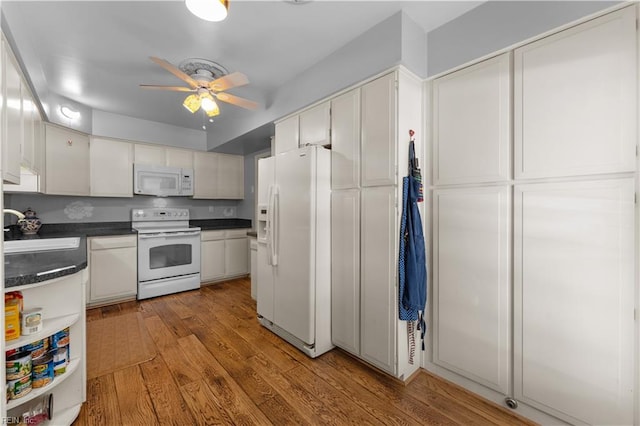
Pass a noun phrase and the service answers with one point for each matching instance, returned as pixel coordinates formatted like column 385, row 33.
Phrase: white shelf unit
column 71, row 368
column 63, row 305
column 50, row 327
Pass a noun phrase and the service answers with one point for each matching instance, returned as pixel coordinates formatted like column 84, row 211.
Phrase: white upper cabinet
column 28, row 122
column 472, row 284
column 378, row 109
column 218, row 176
column 345, row 141
column 287, row 135
column 205, row 171
column 575, row 100
column 67, row 161
column 12, row 123
column 230, row 179
column 150, row 154
column 315, row 125
column 176, row 157
column 574, row 290
column 472, row 123
column 111, row 168
column 163, row 156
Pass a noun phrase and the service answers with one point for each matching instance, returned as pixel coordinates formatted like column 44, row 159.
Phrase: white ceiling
column 97, row 52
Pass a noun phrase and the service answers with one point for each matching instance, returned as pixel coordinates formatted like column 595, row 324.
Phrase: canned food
column 18, row 365
column 20, row 387
column 42, row 373
column 60, row 360
column 37, row 348
column 60, row 339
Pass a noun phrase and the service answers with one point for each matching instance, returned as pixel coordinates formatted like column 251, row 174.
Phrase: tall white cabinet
column 369, row 141
column 535, row 269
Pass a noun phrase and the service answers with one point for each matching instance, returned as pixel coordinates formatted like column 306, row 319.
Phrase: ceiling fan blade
column 226, row 82
column 172, row 88
column 236, row 100
column 175, row 71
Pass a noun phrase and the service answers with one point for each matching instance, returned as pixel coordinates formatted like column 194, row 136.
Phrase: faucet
column 19, row 215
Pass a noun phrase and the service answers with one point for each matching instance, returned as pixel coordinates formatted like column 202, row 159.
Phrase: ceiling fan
column 205, row 87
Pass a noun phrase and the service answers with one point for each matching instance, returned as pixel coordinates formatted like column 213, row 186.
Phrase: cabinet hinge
column 636, row 150
column 635, row 198
column 635, row 314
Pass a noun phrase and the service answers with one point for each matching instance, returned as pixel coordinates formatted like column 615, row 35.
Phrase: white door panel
column 573, row 299
column 345, row 270
column 471, row 269
column 472, row 123
column 265, row 284
column 575, row 100
column 378, row 272
column 295, row 284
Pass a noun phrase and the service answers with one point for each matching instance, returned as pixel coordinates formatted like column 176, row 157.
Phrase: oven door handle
column 168, row 235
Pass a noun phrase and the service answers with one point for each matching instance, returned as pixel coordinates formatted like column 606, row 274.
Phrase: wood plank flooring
column 217, row 365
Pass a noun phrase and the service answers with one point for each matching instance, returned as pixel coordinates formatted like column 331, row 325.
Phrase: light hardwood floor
column 217, row 365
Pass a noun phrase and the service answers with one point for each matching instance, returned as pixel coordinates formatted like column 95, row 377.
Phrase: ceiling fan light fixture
column 213, row 111
column 192, row 103
column 206, row 100
column 209, row 10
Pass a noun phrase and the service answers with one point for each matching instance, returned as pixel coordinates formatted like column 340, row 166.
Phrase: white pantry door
column 575, row 100
column 574, row 299
column 472, row 283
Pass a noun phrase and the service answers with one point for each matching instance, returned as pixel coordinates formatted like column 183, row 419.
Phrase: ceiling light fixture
column 71, row 114
column 209, row 10
column 203, row 99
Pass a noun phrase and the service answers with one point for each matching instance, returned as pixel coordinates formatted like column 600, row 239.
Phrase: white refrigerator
column 294, row 247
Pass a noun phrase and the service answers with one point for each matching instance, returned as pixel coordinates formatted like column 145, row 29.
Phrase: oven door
column 168, row 254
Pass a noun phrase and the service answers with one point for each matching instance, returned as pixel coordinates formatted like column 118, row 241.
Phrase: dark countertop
column 214, row 224
column 61, row 230
column 23, row 268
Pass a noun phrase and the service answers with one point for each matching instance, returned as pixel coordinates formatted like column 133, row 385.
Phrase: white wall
column 134, row 129
column 496, row 25
column 370, row 53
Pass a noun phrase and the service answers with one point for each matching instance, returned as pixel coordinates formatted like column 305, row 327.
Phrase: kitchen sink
column 44, row 244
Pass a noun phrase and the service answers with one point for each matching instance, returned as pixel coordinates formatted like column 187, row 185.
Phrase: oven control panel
column 159, row 214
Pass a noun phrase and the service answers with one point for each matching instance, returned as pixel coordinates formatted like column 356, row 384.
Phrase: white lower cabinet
column 212, row 255
column 574, row 299
column 472, row 293
column 113, row 269
column 224, row 254
column 236, row 261
column 378, row 268
column 63, row 305
column 345, row 271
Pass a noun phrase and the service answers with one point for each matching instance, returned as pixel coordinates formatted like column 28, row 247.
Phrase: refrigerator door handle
column 269, row 225
column 276, row 227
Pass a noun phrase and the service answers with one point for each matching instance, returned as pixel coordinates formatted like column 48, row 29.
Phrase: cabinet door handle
column 69, row 142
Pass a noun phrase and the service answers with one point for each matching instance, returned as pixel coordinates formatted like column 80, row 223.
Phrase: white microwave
column 162, row 181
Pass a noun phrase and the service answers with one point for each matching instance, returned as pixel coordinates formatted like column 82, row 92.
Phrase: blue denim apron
column 412, row 266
